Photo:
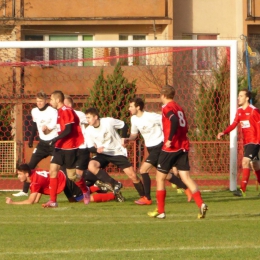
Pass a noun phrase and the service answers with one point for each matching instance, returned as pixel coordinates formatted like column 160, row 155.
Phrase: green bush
column 111, row 95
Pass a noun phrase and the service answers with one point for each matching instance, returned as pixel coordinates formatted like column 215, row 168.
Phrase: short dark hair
column 24, row 168
column 92, row 111
column 138, row 102
column 59, row 95
column 168, row 91
column 69, row 99
column 247, row 92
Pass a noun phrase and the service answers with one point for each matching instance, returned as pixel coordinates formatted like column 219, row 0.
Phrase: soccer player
column 174, row 153
column 67, row 142
column 248, row 117
column 103, row 139
column 150, row 126
column 99, row 192
column 44, row 119
column 83, row 152
column 39, row 181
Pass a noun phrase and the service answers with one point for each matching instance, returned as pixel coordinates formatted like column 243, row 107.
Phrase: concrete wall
column 222, row 17
column 94, row 8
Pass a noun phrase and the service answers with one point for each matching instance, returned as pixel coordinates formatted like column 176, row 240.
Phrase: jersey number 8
column 181, row 119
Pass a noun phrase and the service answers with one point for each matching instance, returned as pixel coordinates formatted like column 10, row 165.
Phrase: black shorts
column 67, row 158
column 154, row 153
column 83, row 157
column 42, row 151
column 167, row 160
column 251, row 151
column 120, row 161
column 72, row 190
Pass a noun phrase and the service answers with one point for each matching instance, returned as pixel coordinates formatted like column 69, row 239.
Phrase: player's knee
column 246, row 162
column 72, row 174
column 255, row 165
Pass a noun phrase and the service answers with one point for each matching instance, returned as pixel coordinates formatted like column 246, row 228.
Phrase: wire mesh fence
column 107, row 78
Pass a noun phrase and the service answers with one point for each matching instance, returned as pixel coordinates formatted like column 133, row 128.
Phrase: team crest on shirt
column 245, row 124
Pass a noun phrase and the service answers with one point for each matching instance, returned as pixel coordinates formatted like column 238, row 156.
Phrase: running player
column 248, row 116
column 174, row 153
column 44, row 119
column 67, row 142
column 103, row 139
column 39, row 181
column 150, row 126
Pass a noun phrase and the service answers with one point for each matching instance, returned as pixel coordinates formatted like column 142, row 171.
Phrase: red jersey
column 249, row 120
column 180, row 140
column 67, row 115
column 40, row 181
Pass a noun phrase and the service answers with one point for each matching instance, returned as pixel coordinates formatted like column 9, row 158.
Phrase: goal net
column 106, row 74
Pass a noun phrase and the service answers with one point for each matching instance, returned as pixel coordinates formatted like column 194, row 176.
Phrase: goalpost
column 188, row 64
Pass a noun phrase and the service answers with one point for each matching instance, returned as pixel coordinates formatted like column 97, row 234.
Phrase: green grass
column 124, row 231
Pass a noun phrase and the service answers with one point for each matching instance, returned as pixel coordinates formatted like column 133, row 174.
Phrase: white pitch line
column 105, row 250
column 142, row 221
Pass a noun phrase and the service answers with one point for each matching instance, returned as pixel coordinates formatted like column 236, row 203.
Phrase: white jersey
column 47, row 117
column 106, row 136
column 150, row 127
column 82, row 122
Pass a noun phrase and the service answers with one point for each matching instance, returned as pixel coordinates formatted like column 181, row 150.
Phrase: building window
column 132, row 56
column 50, row 54
column 201, row 58
column 33, row 54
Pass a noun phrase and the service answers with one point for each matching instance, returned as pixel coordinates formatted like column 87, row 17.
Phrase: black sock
column 178, row 182
column 140, row 188
column 104, row 177
column 26, row 186
column 89, row 176
column 147, row 185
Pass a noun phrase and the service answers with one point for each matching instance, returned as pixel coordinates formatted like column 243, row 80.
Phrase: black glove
column 30, row 144
column 53, row 141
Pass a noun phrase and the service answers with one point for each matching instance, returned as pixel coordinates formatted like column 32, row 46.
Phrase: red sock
column 82, row 185
column 257, row 173
column 102, row 197
column 93, row 189
column 53, row 189
column 160, row 196
column 197, row 198
column 245, row 178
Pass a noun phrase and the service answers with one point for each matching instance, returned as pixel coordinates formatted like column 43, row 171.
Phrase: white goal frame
column 159, row 43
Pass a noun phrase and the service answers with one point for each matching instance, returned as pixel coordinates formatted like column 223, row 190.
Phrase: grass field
column 124, row 231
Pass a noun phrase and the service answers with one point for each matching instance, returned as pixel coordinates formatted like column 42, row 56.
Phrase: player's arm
column 33, row 198
column 64, row 133
column 229, row 128
column 132, row 137
column 52, row 124
column 124, row 130
column 173, row 126
column 33, row 133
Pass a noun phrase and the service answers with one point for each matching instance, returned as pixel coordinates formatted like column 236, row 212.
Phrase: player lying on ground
column 39, row 183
